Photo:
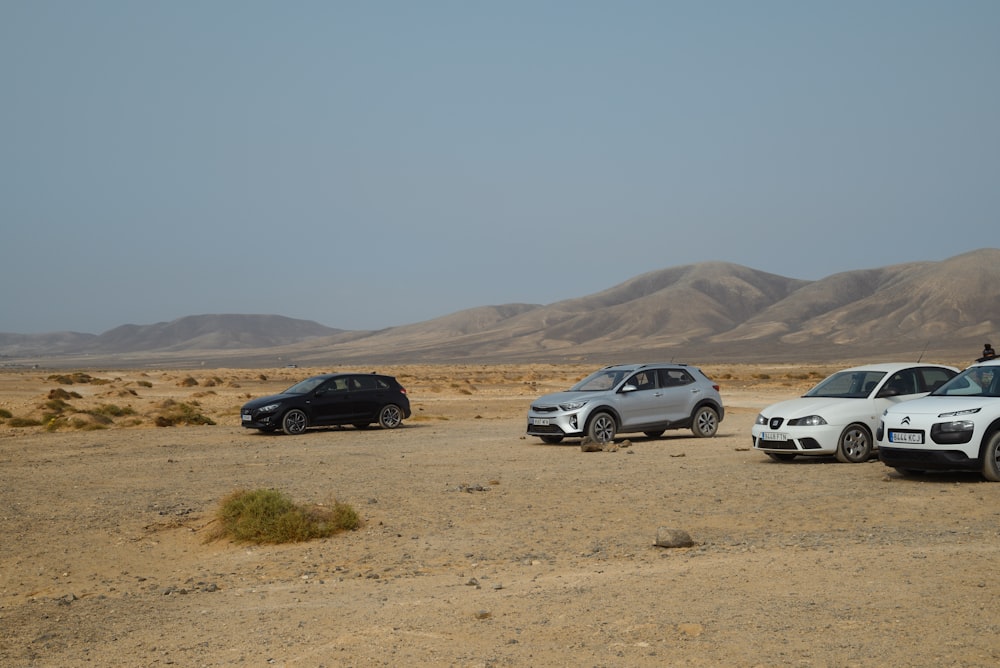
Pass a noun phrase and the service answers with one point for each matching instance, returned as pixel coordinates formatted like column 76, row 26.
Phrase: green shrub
column 57, row 405
column 111, row 411
column 5, row 414
column 173, row 413
column 268, row 516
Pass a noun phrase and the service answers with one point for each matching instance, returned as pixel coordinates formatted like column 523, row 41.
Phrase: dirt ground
column 479, row 546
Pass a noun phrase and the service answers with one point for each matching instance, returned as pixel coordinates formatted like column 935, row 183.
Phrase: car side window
column 336, row 385
column 934, row 378
column 364, row 382
column 675, row 377
column 902, row 382
column 644, row 380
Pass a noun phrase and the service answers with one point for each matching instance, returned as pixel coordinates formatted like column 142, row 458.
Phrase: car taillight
column 716, row 387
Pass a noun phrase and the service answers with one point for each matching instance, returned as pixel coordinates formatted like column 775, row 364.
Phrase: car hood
column 557, row 398
column 935, row 405
column 264, row 401
column 827, row 407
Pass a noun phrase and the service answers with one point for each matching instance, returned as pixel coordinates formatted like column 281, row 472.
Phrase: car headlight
column 270, row 408
column 761, row 419
column 572, row 405
column 957, row 425
column 807, row 421
column 971, row 411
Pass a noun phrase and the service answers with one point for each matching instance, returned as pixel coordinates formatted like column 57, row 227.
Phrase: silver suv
column 648, row 398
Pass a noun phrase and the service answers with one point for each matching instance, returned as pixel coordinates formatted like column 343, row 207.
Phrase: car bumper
column 798, row 440
column 927, row 460
column 566, row 424
column 268, row 421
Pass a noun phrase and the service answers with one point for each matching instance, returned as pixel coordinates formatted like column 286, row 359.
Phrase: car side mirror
column 629, row 388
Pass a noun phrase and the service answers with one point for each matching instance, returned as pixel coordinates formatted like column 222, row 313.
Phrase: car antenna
column 922, row 352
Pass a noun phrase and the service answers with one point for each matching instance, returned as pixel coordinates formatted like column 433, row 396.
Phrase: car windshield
column 976, row 381
column 599, row 381
column 305, row 386
column 847, row 385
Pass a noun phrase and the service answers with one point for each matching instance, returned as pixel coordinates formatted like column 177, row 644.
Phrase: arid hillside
column 706, row 312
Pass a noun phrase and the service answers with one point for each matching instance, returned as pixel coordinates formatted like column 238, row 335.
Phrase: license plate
column 247, row 417
column 773, row 436
column 540, row 422
column 906, row 437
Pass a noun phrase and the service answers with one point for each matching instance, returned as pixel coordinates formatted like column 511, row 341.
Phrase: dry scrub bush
column 173, row 413
column 187, row 382
column 78, row 377
column 23, row 422
column 269, row 516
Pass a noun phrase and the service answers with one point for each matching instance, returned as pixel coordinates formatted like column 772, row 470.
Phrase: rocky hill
column 704, row 312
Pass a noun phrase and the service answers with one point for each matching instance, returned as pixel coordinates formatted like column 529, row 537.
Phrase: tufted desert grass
column 268, row 516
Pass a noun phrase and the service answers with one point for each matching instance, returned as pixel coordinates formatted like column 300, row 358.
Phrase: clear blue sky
column 370, row 164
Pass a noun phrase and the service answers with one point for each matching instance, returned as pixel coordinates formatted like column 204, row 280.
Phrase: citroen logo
column 906, row 420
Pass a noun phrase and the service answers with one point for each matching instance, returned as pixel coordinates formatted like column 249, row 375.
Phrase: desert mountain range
column 705, row 312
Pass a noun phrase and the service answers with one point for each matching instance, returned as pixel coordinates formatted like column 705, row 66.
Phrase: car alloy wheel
column 855, row 445
column 294, row 422
column 602, row 428
column 390, row 416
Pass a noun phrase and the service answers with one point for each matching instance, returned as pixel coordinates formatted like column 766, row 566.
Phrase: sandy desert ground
column 479, row 546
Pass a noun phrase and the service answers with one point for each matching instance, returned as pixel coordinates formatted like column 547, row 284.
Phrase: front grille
column 544, row 409
column 778, row 445
column 545, row 429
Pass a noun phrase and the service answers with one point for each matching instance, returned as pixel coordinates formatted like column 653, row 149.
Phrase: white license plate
column 906, row 437
column 773, row 436
column 540, row 422
column 247, row 418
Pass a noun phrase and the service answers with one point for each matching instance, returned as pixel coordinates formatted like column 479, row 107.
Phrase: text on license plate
column 246, row 417
column 906, row 437
column 540, row 422
column 773, row 436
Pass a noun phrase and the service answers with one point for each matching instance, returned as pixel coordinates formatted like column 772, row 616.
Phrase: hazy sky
column 375, row 163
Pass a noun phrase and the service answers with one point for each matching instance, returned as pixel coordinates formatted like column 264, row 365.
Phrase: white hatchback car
column 840, row 415
column 956, row 428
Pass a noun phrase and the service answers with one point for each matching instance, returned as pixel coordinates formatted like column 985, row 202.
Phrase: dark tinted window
column 935, row 378
column 644, row 380
column 338, row 384
column 365, row 383
column 675, row 377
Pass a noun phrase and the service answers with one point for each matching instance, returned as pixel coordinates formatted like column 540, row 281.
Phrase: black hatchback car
column 330, row 399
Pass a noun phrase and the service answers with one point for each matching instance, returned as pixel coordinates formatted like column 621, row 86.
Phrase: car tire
column 294, row 422
column 602, row 427
column 654, row 434
column 705, row 422
column 991, row 458
column 390, row 416
column 855, row 445
column 781, row 456
column 551, row 440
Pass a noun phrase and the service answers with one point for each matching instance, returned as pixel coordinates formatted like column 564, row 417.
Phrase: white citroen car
column 956, row 428
column 841, row 414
